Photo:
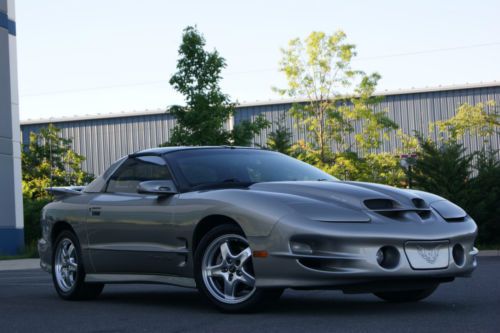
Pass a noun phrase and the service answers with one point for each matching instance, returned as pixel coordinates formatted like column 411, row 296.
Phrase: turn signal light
column 260, row 254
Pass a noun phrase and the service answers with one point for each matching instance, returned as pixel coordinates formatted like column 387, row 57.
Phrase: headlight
column 449, row 211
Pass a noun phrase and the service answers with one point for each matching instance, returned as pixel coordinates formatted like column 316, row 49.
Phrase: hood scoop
column 392, row 209
column 379, row 204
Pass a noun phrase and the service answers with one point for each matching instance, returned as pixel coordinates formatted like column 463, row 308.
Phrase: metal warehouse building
column 104, row 138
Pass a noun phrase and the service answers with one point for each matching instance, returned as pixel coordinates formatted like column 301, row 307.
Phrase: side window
column 99, row 184
column 136, row 170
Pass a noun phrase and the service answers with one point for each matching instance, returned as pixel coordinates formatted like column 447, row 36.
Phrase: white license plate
column 428, row 254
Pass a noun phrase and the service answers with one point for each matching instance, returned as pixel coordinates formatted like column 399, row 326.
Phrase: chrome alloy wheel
column 66, row 264
column 227, row 269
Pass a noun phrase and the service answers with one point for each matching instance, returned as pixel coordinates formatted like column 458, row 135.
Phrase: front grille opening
column 419, row 203
column 379, row 204
column 327, row 265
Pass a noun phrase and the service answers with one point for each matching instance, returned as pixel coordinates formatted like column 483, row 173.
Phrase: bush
column 280, row 139
column 48, row 160
column 444, row 170
column 32, row 229
column 483, row 203
column 381, row 168
column 448, row 171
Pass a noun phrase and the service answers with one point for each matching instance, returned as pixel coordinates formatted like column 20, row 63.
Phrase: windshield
column 211, row 166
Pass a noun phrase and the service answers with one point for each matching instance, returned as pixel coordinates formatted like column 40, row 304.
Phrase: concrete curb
column 489, row 253
column 20, row 264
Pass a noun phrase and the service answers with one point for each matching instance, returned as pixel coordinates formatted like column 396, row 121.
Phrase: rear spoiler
column 64, row 191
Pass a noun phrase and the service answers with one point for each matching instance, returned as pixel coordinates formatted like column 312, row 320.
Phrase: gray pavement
column 28, row 303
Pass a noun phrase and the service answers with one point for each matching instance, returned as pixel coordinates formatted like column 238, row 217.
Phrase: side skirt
column 141, row 278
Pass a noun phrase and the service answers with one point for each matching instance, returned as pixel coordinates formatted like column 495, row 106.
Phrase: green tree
column 48, row 160
column 443, row 169
column 383, row 168
column 470, row 119
column 484, row 196
column 472, row 180
column 280, row 139
column 375, row 124
column 243, row 133
column 202, row 120
column 319, row 69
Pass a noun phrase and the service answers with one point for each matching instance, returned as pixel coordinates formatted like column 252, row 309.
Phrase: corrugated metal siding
column 104, row 140
column 412, row 112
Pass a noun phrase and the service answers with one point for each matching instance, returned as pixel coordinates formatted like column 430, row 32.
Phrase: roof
column 166, row 150
column 260, row 103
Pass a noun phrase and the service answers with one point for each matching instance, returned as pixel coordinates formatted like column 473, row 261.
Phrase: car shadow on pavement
column 314, row 303
column 352, row 305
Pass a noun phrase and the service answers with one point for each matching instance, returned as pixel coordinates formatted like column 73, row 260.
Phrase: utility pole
column 407, row 161
column 11, row 199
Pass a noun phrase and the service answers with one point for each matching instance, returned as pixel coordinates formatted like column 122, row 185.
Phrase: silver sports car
column 243, row 224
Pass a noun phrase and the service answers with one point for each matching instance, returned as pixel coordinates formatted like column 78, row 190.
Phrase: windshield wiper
column 230, row 182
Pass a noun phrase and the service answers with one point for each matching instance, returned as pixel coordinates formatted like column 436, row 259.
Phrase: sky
column 111, row 56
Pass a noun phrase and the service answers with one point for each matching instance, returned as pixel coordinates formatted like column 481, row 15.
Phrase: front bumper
column 344, row 254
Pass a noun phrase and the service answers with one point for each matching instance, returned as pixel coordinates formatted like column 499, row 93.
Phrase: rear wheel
column 224, row 271
column 406, row 295
column 68, row 274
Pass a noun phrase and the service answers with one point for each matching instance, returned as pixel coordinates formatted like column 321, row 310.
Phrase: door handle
column 95, row 211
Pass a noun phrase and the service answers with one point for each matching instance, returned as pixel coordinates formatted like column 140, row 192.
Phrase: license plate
column 428, row 254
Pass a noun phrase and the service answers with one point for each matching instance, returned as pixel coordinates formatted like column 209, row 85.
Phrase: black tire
column 256, row 298
column 79, row 289
column 406, row 295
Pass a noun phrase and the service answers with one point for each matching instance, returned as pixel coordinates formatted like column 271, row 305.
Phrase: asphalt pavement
column 28, row 303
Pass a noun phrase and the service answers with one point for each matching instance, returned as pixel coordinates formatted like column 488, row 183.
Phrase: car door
column 130, row 232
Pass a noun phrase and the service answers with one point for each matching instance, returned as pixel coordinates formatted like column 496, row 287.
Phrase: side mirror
column 158, row 187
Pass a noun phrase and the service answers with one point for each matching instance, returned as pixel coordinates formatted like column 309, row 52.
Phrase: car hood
column 345, row 201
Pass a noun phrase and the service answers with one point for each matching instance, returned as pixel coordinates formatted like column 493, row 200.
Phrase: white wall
column 11, row 204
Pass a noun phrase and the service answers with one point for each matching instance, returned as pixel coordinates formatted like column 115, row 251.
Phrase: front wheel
column 224, row 271
column 68, row 273
column 406, row 295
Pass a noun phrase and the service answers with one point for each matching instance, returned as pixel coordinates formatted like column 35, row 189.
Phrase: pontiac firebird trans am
column 243, row 224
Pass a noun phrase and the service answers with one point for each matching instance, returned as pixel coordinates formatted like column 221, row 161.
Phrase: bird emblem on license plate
column 430, row 255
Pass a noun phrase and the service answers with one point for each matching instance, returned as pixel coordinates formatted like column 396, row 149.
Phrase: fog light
column 388, row 257
column 380, row 256
column 458, row 253
column 300, row 248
